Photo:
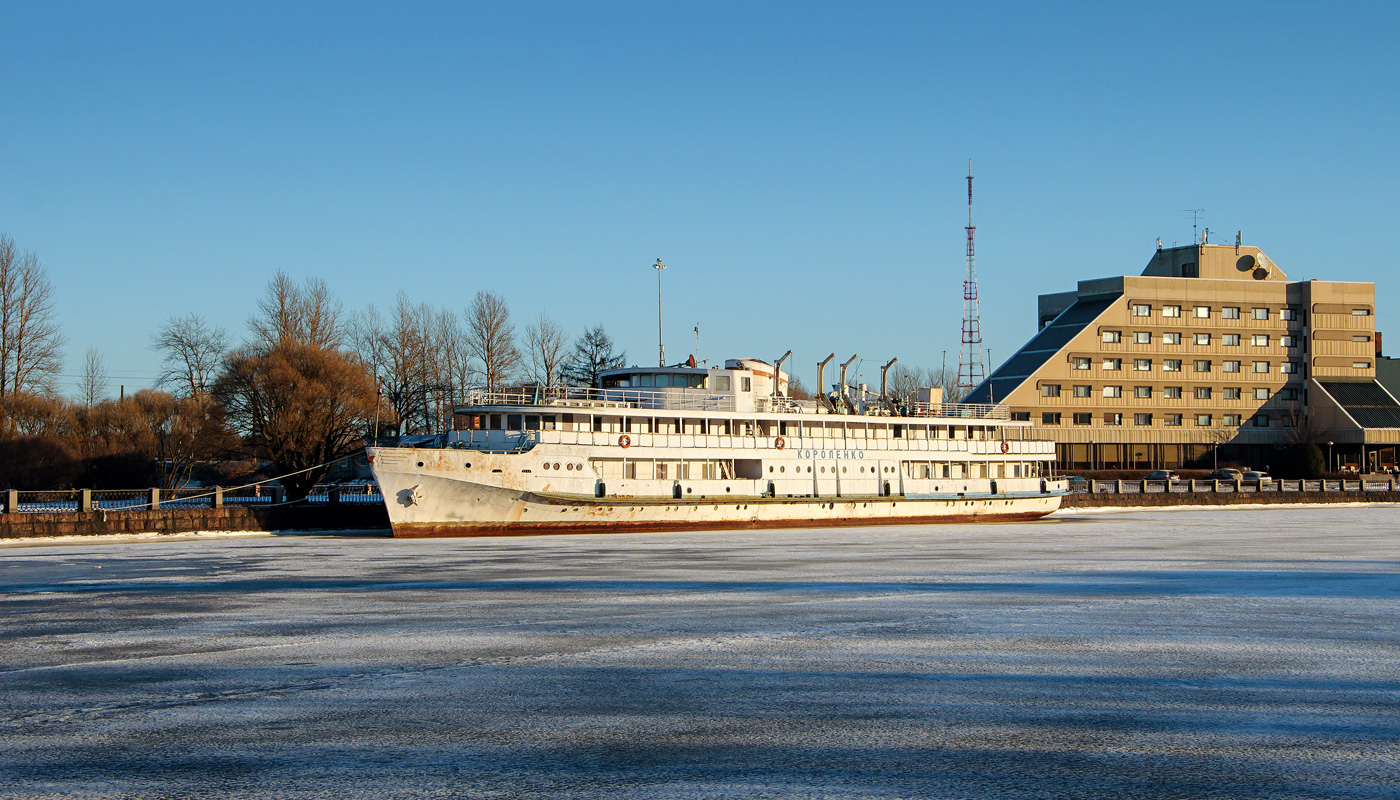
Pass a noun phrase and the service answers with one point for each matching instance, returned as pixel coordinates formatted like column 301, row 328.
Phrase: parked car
column 1223, row 474
column 1163, row 475
column 1261, row 478
column 1077, row 484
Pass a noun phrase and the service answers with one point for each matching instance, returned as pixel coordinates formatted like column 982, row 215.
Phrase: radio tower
column 971, row 371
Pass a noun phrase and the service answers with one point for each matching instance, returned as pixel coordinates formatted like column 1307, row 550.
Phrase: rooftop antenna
column 970, row 368
column 1196, row 214
column 697, row 344
column 660, row 345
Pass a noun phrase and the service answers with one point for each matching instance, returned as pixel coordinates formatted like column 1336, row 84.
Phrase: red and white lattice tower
column 971, row 370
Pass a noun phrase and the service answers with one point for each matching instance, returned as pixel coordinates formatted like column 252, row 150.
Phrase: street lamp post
column 1329, row 456
column 660, row 344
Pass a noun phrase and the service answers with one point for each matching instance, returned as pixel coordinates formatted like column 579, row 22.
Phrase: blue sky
column 798, row 166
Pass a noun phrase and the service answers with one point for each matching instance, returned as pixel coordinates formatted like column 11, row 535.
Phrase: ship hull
column 424, row 505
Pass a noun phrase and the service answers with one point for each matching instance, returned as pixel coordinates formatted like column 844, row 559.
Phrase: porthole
column 843, row 470
column 420, row 463
column 782, row 469
column 809, row 469
column 546, row 465
column 556, row 465
column 770, row 469
column 469, row 465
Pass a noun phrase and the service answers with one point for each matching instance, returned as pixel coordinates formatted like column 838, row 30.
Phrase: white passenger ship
column 691, row 448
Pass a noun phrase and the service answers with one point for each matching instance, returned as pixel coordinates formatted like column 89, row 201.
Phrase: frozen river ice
column 1229, row 653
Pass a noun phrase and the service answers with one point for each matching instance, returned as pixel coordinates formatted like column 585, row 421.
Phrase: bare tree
column 545, row 343
column 92, row 384
column 1298, row 425
column 593, row 354
column 307, row 314
column 303, row 407
column 191, row 350
column 491, row 338
column 31, row 343
column 403, row 354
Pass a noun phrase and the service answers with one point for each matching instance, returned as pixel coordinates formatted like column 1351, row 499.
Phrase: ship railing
column 960, row 410
column 679, row 399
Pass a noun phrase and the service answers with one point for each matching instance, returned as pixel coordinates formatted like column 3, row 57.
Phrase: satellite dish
column 1245, row 263
column 1261, row 273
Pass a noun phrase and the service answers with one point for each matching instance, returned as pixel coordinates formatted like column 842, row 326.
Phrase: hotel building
column 1211, row 348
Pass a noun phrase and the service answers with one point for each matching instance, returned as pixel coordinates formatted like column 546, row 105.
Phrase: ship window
column 899, row 431
column 513, row 422
column 532, row 422
column 645, row 380
column 746, row 384
column 721, row 383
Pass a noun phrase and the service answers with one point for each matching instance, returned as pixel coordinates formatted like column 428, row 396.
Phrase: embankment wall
column 1165, row 499
column 356, row 517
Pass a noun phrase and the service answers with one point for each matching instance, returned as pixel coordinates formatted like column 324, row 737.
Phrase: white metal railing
column 681, row 399
column 565, row 396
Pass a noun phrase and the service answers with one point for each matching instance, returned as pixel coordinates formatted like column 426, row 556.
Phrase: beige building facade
column 1211, row 353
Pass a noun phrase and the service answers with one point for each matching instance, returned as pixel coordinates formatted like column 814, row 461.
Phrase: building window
column 1189, row 270
column 1230, row 339
column 1171, row 365
column 1112, row 337
column 1203, row 420
column 1142, row 364
column 1361, row 338
column 1082, row 390
column 1260, row 393
column 1288, row 341
column 1231, row 392
column 1020, row 416
column 1142, row 337
column 1113, row 391
column 1230, row 312
column 1202, row 392
column 1171, row 419
column 1288, row 394
column 1142, row 419
column 1142, row 310
column 1201, row 339
column 1259, row 313
column 1112, row 363
column 1113, row 418
column 1171, row 338
column 1084, row 418
column 1080, row 362
column 1259, row 340
column 1261, row 366
column 1201, row 312
column 1261, row 420
column 1230, row 366
column 1050, row 418
column 1288, row 314
column 1201, row 365
column 1171, row 311
column 1171, row 392
column 1360, row 365
column 1231, row 420
column 1142, row 391
column 1050, row 390
column 1361, row 312
column 1288, row 367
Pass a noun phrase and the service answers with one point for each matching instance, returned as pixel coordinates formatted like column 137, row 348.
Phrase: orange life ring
column 1005, row 447
column 779, row 443
column 624, row 440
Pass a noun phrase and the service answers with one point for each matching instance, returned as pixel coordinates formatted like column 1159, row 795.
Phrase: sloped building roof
column 1368, row 403
column 1040, row 349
